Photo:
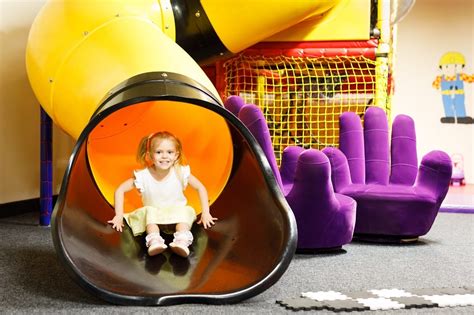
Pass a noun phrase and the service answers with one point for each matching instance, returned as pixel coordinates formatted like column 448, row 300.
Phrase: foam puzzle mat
column 384, row 299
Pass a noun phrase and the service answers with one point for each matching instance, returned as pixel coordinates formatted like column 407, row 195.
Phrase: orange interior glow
column 207, row 146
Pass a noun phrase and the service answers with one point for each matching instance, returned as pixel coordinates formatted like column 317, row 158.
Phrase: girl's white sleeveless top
column 168, row 192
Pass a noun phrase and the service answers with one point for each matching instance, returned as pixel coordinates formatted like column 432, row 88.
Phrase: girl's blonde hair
column 147, row 143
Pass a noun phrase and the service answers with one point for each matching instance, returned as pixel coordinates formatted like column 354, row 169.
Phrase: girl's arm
column 207, row 220
column 117, row 221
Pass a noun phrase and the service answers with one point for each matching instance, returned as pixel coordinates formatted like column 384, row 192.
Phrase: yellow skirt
column 141, row 217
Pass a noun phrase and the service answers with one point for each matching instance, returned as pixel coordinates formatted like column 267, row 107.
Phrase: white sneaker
column 155, row 243
column 181, row 242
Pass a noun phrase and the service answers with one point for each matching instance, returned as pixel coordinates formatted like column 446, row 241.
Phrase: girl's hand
column 117, row 223
column 207, row 220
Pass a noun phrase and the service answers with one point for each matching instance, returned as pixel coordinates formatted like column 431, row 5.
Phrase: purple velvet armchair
column 325, row 219
column 396, row 199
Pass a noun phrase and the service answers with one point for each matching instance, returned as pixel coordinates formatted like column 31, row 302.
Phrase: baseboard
column 22, row 206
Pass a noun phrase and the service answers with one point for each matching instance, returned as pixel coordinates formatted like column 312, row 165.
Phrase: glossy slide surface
column 246, row 252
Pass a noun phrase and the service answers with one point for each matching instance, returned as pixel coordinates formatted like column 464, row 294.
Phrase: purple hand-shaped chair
column 396, row 200
column 325, row 219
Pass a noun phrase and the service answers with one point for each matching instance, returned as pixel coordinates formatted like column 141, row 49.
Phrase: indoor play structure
column 110, row 72
column 303, row 78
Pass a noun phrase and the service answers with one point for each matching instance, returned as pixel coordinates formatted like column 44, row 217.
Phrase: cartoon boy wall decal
column 451, row 82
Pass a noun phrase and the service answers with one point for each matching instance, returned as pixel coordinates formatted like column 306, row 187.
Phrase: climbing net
column 302, row 97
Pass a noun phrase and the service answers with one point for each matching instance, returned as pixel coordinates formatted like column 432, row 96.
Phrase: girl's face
column 164, row 154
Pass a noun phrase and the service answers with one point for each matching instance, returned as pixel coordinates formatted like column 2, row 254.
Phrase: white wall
column 432, row 28
column 20, row 111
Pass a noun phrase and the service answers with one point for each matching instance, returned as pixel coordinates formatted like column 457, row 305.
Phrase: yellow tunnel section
column 346, row 20
column 240, row 22
column 78, row 50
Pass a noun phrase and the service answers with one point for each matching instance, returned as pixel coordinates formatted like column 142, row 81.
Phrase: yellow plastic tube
column 90, row 48
column 78, row 50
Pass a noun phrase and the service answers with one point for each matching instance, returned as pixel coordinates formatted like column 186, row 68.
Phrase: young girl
column 161, row 184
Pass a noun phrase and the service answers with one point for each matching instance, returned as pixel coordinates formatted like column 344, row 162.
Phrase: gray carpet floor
column 33, row 281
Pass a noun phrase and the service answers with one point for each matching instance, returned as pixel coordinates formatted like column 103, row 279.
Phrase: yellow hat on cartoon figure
column 452, row 57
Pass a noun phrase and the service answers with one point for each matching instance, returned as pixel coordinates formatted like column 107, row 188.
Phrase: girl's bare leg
column 152, row 228
column 182, row 227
